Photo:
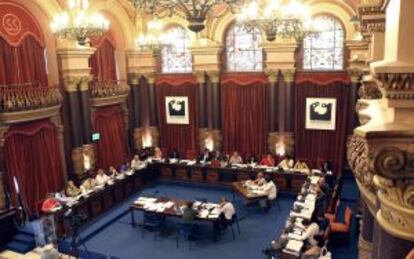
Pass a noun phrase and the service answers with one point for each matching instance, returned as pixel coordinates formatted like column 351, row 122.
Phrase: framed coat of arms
column 320, row 113
column 177, row 110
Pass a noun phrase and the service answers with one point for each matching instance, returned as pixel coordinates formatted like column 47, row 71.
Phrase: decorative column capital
column 272, row 75
column 71, row 83
column 214, row 76
column 288, row 75
column 398, row 86
column 134, row 78
column 150, row 77
column 355, row 74
column 84, row 83
column 372, row 17
column 200, row 76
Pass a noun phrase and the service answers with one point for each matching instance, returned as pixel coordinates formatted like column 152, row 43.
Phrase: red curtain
column 32, row 155
column 244, row 115
column 112, row 146
column 24, row 63
column 322, row 145
column 102, row 62
column 179, row 136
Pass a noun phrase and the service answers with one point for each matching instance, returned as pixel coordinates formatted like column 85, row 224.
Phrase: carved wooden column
column 289, row 76
column 134, row 82
column 272, row 76
column 366, row 233
column 215, row 111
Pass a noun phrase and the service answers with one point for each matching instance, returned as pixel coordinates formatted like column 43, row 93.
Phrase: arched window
column 326, row 51
column 177, row 57
column 243, row 51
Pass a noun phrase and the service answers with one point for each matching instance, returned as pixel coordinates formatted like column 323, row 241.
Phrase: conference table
column 248, row 191
column 189, row 171
column 100, row 200
column 172, row 207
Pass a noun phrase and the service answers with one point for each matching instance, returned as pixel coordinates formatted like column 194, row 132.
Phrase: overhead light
column 195, row 11
column 153, row 39
column 77, row 24
column 278, row 18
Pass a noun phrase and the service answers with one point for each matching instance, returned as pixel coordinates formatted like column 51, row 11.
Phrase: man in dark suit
column 174, row 154
column 205, row 156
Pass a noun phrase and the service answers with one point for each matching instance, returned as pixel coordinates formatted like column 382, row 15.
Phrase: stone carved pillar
column 366, row 234
column 134, row 82
column 381, row 152
column 202, row 118
column 214, row 77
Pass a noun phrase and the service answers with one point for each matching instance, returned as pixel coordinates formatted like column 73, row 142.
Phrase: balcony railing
column 100, row 89
column 22, row 97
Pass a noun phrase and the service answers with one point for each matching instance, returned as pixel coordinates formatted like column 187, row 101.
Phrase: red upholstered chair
column 164, row 152
column 331, row 217
column 342, row 227
column 191, row 154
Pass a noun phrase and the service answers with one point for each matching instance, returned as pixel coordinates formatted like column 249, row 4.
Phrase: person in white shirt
column 101, row 178
column 136, row 163
column 311, row 231
column 260, row 180
column 235, row 158
column 227, row 208
column 287, row 163
column 227, row 212
column 88, row 185
column 269, row 188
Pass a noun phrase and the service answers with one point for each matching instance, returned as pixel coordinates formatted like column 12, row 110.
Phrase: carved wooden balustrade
column 15, row 98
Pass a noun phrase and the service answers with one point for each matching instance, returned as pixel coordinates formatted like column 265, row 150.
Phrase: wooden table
column 170, row 212
column 286, row 181
column 244, row 192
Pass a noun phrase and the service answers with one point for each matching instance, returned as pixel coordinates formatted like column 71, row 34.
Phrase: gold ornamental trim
column 106, row 101
column 29, row 115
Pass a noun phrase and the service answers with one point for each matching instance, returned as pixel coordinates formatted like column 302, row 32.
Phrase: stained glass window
column 243, row 50
column 177, row 57
column 326, row 50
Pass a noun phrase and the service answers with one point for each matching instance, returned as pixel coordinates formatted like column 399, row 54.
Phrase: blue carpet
column 112, row 235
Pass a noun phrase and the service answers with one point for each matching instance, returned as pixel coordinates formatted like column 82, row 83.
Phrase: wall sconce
column 209, row 143
column 281, row 147
column 146, row 139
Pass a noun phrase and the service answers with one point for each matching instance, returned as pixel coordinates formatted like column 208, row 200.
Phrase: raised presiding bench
column 185, row 170
column 100, row 200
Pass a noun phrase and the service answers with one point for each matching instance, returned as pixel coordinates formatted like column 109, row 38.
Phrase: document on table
column 294, row 245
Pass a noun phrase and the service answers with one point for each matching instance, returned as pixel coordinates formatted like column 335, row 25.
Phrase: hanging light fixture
column 153, row 39
column 278, row 18
column 76, row 23
column 195, row 11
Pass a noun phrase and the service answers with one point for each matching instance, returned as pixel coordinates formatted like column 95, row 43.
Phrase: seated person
column 260, row 179
column 270, row 190
column 235, row 158
column 101, row 178
column 301, row 166
column 61, row 197
column 124, row 168
column 226, row 215
column 287, row 163
column 268, row 160
column 136, row 163
column 217, row 155
column 112, row 173
column 324, row 187
column 50, row 204
column 205, row 156
column 157, row 154
column 320, row 204
column 326, row 168
column 174, row 154
column 88, row 185
column 312, row 230
column 50, row 252
column 252, row 159
column 189, row 213
column 72, row 190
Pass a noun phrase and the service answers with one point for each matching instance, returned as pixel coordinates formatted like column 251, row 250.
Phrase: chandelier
column 78, row 24
column 154, row 39
column 278, row 18
column 195, row 11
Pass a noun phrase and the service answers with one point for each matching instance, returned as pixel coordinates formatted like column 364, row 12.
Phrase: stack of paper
column 294, row 245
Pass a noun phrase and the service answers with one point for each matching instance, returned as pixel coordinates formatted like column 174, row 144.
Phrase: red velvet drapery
column 102, row 62
column 322, row 145
column 244, row 113
column 112, row 146
column 179, row 136
column 24, row 63
column 32, row 155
